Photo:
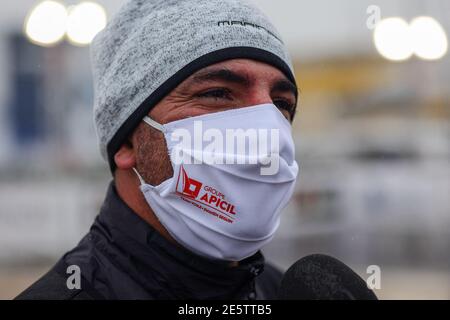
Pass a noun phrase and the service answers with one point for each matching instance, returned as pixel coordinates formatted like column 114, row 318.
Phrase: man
column 189, row 228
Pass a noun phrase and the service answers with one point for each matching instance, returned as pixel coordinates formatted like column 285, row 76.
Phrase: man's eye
column 284, row 105
column 216, row 93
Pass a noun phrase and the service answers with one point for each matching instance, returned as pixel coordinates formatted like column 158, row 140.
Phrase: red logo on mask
column 191, row 187
column 211, row 201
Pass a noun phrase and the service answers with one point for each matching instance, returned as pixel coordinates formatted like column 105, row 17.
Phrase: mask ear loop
column 154, row 124
column 141, row 180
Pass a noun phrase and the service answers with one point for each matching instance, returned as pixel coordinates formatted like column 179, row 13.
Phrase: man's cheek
column 154, row 162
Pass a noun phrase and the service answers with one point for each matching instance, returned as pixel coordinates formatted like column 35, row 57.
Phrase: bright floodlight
column 430, row 40
column 392, row 39
column 46, row 23
column 85, row 21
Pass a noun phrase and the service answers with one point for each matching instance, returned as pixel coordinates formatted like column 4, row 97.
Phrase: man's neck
column 127, row 186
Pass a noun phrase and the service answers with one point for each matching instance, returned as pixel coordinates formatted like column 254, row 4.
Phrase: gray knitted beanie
column 151, row 46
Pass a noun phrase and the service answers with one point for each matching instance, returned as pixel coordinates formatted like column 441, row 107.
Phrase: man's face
column 227, row 85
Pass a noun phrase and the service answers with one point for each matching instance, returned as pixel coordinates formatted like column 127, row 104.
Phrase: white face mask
column 224, row 200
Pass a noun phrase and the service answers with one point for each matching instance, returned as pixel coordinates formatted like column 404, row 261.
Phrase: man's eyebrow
column 285, row 85
column 221, row 75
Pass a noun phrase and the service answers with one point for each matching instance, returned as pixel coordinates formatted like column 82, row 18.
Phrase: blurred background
column 372, row 135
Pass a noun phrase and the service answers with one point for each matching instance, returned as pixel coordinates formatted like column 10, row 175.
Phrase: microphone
column 321, row 277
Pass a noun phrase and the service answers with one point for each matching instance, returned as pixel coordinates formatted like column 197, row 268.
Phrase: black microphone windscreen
column 321, row 277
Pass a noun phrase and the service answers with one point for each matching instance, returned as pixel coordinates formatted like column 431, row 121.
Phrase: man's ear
column 125, row 158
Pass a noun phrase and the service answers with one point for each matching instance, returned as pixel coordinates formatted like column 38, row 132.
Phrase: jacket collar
column 172, row 271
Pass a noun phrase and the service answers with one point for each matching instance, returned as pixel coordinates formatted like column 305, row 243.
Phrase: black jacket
column 123, row 257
